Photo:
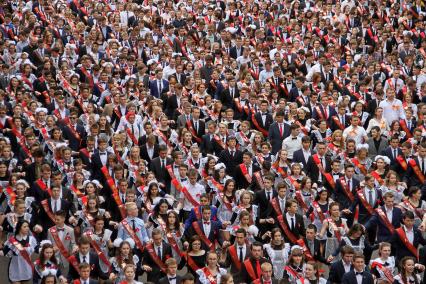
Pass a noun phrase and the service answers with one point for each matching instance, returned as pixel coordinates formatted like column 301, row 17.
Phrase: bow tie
column 172, row 278
column 102, row 153
column 207, row 223
column 293, row 138
column 264, row 113
column 359, row 273
column 60, row 229
column 184, row 179
column 386, row 263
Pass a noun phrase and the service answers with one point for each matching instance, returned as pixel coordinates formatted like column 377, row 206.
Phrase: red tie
column 281, row 130
column 259, row 272
column 207, row 223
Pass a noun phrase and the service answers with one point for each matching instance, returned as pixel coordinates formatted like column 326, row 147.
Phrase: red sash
column 47, row 210
column 22, row 251
column 193, row 132
column 209, row 275
column 245, row 173
column 364, row 202
column 346, row 190
column 256, row 124
column 233, row 254
column 132, row 234
column 386, row 271
column 273, row 84
column 385, row 220
column 163, row 137
column 283, row 225
column 319, row 112
column 132, row 136
column 402, row 162
column 284, row 88
column 98, row 250
column 305, row 249
column 86, row 153
column 319, row 211
column 77, row 192
column 250, row 269
column 88, row 76
column 412, row 208
column 377, row 177
column 43, row 186
column 73, row 261
column 258, row 179
column 220, row 142
column 360, row 166
column 405, row 128
column 406, row 242
column 170, row 171
column 300, row 200
column 190, row 262
column 327, row 176
column 173, row 243
column 202, row 236
column 58, row 242
column 338, row 123
column 279, row 170
column 185, row 192
column 337, row 231
column 155, row 258
column 417, row 171
column 292, row 272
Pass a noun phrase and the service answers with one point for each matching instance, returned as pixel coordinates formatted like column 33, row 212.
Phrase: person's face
column 422, row 152
column 207, row 215
column 246, row 159
column 408, row 222
column 321, row 149
column 267, row 273
column 157, row 239
column 163, row 154
column 256, row 252
column 385, row 252
column 171, row 269
column 196, row 245
column 310, row 234
column 130, row 274
column 359, row 264
column 409, row 266
column 370, row 183
column 246, row 199
column 347, row 258
column 125, row 249
column 212, row 259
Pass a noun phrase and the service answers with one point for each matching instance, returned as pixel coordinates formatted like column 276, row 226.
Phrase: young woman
column 335, row 227
column 318, row 208
column 415, row 204
column 212, row 273
column 158, row 218
column 281, row 167
column 336, row 148
column 304, row 195
column 393, row 185
column 19, row 248
column 130, row 274
column 244, row 223
column 46, row 264
column 17, row 215
column 225, row 201
column 173, row 234
column 195, row 257
column 295, row 178
column 395, row 130
column 245, row 203
column 361, row 161
column 410, row 271
column 383, row 266
column 86, row 216
column 295, row 265
column 123, row 257
column 378, row 120
column 311, row 275
column 379, row 174
column 277, row 251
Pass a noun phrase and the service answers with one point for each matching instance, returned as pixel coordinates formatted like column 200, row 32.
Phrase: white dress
column 203, row 278
column 102, row 242
column 278, row 258
column 388, row 263
column 398, row 193
column 398, row 279
column 118, row 270
column 19, row 268
column 306, row 281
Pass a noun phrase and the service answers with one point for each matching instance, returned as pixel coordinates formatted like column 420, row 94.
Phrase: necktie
column 269, row 195
column 232, row 154
column 133, row 129
column 311, row 246
column 395, row 154
column 55, row 208
column 259, row 272
column 409, row 125
column 196, row 126
column 349, row 184
column 276, row 81
column 343, row 120
column 123, row 199
column 162, row 163
column 370, row 197
column 159, row 252
column 133, row 225
column 232, row 92
column 281, row 129
column 292, row 223
column 241, row 254
column 84, row 259
column 282, row 203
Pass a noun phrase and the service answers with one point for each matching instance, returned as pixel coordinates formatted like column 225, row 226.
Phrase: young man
column 191, row 191
column 263, row 200
column 84, row 255
column 233, row 256
column 266, row 277
column 195, row 213
column 251, row 267
column 171, row 276
column 133, row 227
column 84, row 276
column 358, row 274
column 339, row 268
column 154, row 255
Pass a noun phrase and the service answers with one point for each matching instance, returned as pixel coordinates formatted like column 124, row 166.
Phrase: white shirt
column 392, row 110
column 265, row 75
column 292, row 144
column 207, row 228
column 150, row 151
column 195, row 191
column 81, row 257
column 409, row 234
column 289, row 218
column 55, row 204
column 103, row 158
column 238, row 251
column 358, row 277
column 172, row 281
column 347, row 266
column 389, row 213
column 357, row 133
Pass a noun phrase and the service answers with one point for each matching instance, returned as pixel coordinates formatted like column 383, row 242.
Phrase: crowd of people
column 213, row 142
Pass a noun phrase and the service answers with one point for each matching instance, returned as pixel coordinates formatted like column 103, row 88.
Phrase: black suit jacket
column 264, row 205
column 410, row 176
column 156, row 272
column 207, row 144
column 299, row 227
column 244, row 274
column 334, row 126
column 350, row 278
column 95, row 272
column 161, row 174
column 44, row 219
column 337, row 270
column 383, row 234
column 165, row 280
column 298, row 157
column 144, row 153
column 240, row 179
column 313, row 170
column 317, row 251
column 235, row 271
column 73, row 142
column 200, row 131
column 388, row 153
column 97, row 165
column 340, row 196
column 226, row 98
column 215, row 235
column 399, row 247
column 229, row 161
